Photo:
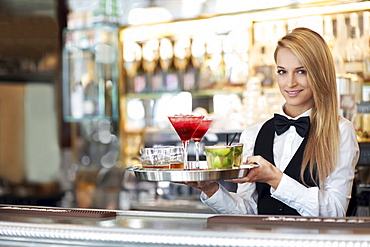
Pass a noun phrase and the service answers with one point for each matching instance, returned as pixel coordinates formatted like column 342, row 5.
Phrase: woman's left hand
column 265, row 172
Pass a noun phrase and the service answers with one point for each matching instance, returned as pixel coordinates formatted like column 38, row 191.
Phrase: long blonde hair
column 322, row 147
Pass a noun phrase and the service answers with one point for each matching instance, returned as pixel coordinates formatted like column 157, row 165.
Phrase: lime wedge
column 221, row 151
column 217, row 163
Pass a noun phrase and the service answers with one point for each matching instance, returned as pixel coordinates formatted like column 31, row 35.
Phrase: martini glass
column 198, row 135
column 185, row 126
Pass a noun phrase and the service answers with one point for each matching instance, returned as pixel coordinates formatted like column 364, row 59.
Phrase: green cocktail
column 224, row 156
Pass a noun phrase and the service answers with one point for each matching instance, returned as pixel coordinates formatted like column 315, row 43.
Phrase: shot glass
column 177, row 158
column 224, row 156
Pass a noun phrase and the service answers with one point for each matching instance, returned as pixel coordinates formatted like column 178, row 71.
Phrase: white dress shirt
column 330, row 201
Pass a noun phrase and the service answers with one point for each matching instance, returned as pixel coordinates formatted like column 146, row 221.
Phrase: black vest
column 264, row 147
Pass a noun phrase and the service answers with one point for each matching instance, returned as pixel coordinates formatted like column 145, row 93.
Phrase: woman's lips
column 293, row 93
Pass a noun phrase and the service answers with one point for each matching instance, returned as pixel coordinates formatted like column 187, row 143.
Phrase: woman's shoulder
column 346, row 126
column 345, row 123
column 251, row 132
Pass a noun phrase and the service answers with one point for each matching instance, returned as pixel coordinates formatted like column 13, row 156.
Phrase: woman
column 309, row 173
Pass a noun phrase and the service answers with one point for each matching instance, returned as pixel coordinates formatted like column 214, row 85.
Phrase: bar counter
column 42, row 226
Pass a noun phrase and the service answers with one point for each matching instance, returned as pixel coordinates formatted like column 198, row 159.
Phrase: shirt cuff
column 214, row 198
column 282, row 187
column 217, row 202
column 294, row 197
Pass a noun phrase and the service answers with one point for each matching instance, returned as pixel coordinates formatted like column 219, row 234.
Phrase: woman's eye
column 302, row 71
column 281, row 72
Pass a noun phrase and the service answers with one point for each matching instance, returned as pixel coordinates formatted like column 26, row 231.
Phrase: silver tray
column 179, row 175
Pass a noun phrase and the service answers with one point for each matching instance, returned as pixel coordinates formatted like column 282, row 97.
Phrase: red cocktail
column 185, row 126
column 198, row 135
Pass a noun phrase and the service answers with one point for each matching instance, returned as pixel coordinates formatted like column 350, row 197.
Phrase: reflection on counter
column 139, row 228
column 162, row 196
column 159, row 196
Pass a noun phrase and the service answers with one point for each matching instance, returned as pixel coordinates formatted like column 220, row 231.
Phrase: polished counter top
column 142, row 228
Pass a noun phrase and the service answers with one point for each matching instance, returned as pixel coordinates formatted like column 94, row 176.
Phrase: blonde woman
column 305, row 167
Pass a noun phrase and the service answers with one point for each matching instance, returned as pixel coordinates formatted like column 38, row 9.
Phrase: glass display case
column 90, row 73
column 90, row 104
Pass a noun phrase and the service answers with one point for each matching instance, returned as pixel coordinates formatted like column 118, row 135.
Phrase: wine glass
column 198, row 135
column 185, row 126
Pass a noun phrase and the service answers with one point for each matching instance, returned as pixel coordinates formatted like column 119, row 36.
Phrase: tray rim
column 158, row 174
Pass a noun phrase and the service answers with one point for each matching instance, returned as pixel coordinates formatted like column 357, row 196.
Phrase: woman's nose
column 291, row 81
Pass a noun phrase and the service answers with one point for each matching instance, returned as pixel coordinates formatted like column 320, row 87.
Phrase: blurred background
column 84, row 84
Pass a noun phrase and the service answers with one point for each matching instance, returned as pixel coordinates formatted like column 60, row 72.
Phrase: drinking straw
column 232, row 139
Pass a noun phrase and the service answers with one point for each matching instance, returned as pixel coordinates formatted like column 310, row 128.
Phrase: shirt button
column 280, row 210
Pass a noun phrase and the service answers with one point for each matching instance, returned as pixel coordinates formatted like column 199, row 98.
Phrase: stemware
column 199, row 134
column 185, row 126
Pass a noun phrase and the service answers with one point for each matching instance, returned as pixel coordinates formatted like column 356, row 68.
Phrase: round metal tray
column 178, row 175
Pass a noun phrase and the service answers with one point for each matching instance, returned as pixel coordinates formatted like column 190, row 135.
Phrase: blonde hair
column 322, row 147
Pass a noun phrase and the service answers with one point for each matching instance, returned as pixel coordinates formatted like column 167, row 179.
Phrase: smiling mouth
column 293, row 93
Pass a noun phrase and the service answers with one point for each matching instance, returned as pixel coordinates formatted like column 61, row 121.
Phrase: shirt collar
column 304, row 114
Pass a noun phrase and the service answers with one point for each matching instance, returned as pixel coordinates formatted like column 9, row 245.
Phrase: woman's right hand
column 208, row 187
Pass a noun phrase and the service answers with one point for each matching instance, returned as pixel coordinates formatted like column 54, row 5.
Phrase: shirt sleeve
column 225, row 202
column 331, row 200
column 245, row 200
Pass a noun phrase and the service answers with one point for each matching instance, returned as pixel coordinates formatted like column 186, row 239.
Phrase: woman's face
column 293, row 83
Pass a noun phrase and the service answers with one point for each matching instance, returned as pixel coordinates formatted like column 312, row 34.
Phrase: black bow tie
column 282, row 124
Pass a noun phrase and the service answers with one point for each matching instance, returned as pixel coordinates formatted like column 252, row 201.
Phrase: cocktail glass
column 185, row 126
column 224, row 156
column 198, row 136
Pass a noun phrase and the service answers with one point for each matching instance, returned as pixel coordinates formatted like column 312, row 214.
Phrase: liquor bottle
column 341, row 36
column 131, row 62
column 330, row 40
column 172, row 78
column 107, row 12
column 198, row 55
column 181, row 58
column 157, row 78
column 150, row 55
column 190, row 76
column 165, row 60
column 261, row 55
column 212, row 71
column 139, row 81
column 354, row 55
column 353, row 63
column 366, row 63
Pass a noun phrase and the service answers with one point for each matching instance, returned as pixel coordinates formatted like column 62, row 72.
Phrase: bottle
column 354, row 55
column 165, row 60
column 157, row 78
column 261, row 56
column 106, row 12
column 366, row 62
column 341, row 36
column 150, row 56
column 172, row 78
column 354, row 59
column 330, row 40
column 139, row 81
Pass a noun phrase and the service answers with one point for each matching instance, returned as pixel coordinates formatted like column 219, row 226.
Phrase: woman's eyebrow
column 282, row 67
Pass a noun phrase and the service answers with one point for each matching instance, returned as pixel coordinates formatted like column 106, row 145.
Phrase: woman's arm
column 331, row 200
column 245, row 200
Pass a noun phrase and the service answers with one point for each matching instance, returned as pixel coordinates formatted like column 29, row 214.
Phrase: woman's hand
column 208, row 187
column 265, row 172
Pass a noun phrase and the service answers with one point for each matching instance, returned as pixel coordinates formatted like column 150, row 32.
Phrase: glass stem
column 197, row 150
column 186, row 145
